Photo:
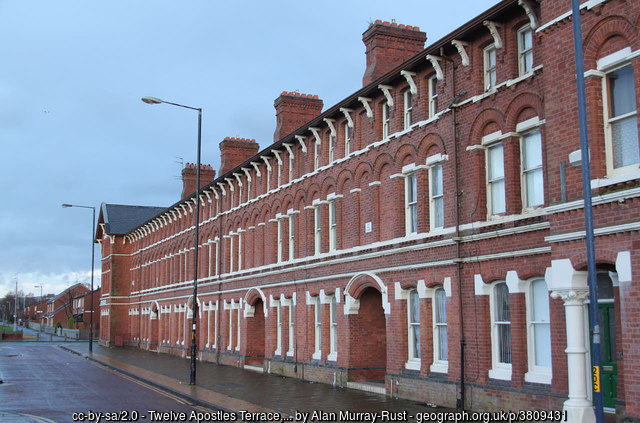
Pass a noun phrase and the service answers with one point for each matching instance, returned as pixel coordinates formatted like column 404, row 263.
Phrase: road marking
column 38, row 418
column 153, row 388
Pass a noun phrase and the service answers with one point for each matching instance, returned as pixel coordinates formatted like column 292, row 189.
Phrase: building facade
column 424, row 237
column 60, row 308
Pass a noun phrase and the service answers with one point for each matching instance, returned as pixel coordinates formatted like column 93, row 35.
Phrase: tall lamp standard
column 39, row 286
column 93, row 231
column 154, row 100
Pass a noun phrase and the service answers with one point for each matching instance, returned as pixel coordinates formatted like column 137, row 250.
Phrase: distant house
column 34, row 313
column 60, row 307
column 83, row 308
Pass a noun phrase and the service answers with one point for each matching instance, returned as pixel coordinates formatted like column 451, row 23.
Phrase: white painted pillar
column 571, row 285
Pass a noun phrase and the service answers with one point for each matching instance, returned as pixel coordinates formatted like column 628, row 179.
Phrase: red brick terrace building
column 424, row 236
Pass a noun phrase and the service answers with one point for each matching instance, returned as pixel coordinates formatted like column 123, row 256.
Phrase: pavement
column 233, row 389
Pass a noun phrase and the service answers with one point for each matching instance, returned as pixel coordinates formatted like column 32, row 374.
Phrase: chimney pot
column 294, row 109
column 387, row 45
column 207, row 175
column 234, row 151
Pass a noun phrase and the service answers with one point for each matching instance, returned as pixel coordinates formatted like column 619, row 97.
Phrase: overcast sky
column 73, row 128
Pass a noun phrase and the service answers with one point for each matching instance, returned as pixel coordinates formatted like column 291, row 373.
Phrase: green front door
column 609, row 365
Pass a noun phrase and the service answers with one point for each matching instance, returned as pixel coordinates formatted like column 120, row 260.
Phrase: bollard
column 65, row 337
column 37, row 336
column 50, row 337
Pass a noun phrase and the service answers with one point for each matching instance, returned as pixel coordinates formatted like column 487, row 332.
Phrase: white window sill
column 440, row 367
column 316, row 355
column 228, row 347
column 615, row 179
column 332, row 357
column 290, row 353
column 277, row 352
column 538, row 377
column 238, row 348
column 412, row 364
column 500, row 373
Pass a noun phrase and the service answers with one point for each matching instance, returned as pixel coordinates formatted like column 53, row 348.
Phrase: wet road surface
column 43, row 383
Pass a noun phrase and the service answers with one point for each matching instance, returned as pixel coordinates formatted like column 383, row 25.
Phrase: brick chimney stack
column 207, row 174
column 234, row 151
column 294, row 110
column 388, row 45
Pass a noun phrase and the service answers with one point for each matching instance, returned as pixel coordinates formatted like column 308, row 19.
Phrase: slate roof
column 120, row 219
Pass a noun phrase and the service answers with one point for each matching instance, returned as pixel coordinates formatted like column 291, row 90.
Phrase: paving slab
column 234, row 389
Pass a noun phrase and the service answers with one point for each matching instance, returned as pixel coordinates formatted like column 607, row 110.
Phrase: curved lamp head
column 64, row 206
column 151, row 100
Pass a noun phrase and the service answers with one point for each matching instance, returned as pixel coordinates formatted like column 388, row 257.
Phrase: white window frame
column 215, row 325
column 411, row 205
column 239, row 249
column 490, row 211
column 279, row 174
column 316, row 156
column 238, row 328
column 347, row 139
column 536, row 374
column 279, row 246
column 608, row 121
column 278, row 350
column 499, row 370
column 230, row 326
column 332, row 146
column 525, row 173
column 292, row 239
column 290, row 167
column 433, row 198
column 385, row 120
column 439, row 365
column 268, row 188
column 231, row 252
column 317, row 329
column 333, row 329
column 413, row 327
column 490, row 72
column 217, row 243
column 408, row 109
column 433, row 96
column 333, row 225
column 523, row 52
column 317, row 230
column 292, row 318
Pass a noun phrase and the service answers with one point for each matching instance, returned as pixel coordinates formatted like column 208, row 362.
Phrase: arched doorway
column 255, row 334
column 608, row 338
column 154, row 328
column 366, row 305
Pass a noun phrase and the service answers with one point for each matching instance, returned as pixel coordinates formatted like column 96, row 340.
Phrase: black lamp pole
column 154, row 100
column 93, row 231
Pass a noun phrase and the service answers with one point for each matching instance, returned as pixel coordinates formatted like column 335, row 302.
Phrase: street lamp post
column 93, row 231
column 39, row 286
column 154, row 100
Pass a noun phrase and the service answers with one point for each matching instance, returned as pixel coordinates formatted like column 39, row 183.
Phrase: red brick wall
column 483, row 246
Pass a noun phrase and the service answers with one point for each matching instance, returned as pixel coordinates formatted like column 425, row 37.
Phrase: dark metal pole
column 588, row 211
column 192, row 380
column 93, row 249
